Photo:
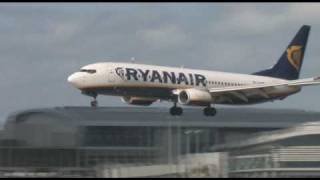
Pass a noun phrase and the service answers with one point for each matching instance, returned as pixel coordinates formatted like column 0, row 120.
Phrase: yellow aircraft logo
column 294, row 55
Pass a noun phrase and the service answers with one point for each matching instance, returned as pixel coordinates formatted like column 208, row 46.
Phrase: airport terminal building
column 77, row 141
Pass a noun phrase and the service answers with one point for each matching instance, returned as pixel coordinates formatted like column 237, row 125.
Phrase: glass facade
column 110, row 145
column 118, row 136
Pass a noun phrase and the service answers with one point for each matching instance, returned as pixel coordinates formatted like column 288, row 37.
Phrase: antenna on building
column 133, row 59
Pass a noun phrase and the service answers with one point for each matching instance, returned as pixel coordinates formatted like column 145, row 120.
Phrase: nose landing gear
column 94, row 103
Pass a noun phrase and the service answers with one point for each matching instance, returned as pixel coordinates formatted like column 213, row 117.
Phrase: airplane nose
column 71, row 78
column 74, row 79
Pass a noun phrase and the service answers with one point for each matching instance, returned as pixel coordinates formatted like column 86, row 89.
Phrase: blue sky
column 41, row 44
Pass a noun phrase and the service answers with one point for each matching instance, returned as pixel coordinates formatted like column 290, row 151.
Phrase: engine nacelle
column 138, row 100
column 194, row 97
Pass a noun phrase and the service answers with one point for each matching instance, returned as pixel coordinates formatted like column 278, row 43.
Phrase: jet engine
column 138, row 100
column 194, row 97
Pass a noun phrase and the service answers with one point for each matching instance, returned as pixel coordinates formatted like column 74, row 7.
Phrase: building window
column 118, row 136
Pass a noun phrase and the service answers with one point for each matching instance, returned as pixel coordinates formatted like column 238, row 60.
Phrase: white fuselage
column 160, row 82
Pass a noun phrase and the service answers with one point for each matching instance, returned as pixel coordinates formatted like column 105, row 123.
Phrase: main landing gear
column 209, row 111
column 176, row 111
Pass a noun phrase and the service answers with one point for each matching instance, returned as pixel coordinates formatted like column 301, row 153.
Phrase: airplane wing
column 260, row 89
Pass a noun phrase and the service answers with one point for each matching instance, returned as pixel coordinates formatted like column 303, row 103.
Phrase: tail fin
column 289, row 64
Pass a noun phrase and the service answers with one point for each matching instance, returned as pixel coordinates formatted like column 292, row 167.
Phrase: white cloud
column 63, row 31
column 252, row 29
column 304, row 12
column 163, row 37
column 255, row 19
column 248, row 19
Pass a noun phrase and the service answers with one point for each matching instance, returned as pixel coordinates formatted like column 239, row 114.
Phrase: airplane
column 140, row 84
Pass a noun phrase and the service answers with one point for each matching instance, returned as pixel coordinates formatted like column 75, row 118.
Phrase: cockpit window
column 91, row 71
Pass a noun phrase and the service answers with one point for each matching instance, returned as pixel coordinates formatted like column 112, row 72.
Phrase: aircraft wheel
column 179, row 111
column 176, row 111
column 172, row 112
column 208, row 111
column 94, row 103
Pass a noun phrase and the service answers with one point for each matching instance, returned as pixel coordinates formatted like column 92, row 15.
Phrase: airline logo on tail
column 294, row 55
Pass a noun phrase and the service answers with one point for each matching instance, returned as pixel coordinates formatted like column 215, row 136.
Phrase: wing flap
column 240, row 96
